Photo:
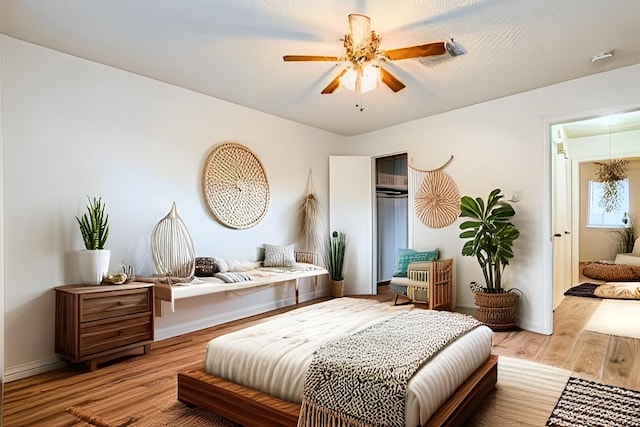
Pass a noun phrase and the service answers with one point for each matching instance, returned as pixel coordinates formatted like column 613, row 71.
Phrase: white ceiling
column 232, row 49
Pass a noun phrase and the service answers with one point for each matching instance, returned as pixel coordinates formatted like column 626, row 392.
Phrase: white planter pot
column 93, row 265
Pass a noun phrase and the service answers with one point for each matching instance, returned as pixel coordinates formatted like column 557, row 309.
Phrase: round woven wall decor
column 437, row 201
column 235, row 186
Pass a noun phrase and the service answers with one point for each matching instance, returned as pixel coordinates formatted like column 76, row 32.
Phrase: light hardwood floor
column 134, row 387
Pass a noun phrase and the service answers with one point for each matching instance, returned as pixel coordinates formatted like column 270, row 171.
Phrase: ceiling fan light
column 369, row 79
column 360, row 29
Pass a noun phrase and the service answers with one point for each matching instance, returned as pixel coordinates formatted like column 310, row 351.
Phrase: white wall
column 504, row 144
column 74, row 128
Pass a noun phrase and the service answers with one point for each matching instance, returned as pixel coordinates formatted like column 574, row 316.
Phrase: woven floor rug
column 525, row 395
column 587, row 403
column 616, row 317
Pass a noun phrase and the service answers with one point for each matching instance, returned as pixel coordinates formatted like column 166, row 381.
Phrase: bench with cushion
column 246, row 276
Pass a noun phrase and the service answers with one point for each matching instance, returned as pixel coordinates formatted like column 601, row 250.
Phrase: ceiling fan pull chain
column 359, row 90
column 359, row 103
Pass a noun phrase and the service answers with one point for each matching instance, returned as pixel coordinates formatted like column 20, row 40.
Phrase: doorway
column 577, row 146
column 392, row 218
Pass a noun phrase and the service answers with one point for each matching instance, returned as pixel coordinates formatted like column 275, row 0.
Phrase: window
column 597, row 215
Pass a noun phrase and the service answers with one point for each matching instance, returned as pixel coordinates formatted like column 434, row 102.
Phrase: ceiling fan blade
column 334, row 84
column 429, row 49
column 310, row 58
column 388, row 79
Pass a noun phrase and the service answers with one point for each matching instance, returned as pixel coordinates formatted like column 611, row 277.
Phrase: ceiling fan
column 362, row 53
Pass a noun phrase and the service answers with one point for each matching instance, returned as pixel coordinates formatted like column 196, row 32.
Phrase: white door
column 351, row 208
column 562, row 241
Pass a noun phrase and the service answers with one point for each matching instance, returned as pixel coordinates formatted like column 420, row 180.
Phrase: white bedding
column 274, row 356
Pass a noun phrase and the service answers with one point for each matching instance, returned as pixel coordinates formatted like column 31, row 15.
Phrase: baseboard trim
column 30, row 369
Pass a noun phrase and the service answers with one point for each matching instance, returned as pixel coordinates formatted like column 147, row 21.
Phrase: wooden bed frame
column 253, row 408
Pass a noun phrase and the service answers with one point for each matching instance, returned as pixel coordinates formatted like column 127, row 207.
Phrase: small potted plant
column 335, row 262
column 93, row 262
column 490, row 237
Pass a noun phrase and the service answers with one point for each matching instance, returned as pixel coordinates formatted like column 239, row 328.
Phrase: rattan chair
column 429, row 284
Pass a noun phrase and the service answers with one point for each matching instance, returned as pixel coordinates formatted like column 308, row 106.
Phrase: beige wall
column 597, row 243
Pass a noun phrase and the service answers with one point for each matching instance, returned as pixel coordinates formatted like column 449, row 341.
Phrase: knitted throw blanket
column 361, row 379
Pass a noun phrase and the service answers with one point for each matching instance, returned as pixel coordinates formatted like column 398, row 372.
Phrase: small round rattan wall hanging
column 235, row 186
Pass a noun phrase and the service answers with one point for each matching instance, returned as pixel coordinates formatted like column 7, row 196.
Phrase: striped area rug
column 587, row 403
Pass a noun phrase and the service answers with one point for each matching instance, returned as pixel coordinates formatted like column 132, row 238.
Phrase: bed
column 255, row 376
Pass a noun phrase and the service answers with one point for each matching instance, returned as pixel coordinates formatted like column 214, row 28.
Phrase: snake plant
column 94, row 225
column 335, row 254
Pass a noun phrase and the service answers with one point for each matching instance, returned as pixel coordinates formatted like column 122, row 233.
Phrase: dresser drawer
column 95, row 324
column 103, row 335
column 104, row 305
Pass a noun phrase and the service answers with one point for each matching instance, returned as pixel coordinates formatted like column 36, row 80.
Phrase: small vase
column 93, row 265
column 336, row 288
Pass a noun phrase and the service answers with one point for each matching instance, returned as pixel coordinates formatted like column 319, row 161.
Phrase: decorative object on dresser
column 97, row 324
column 490, row 237
column 437, row 199
column 93, row 262
column 235, row 186
column 172, row 247
column 335, row 262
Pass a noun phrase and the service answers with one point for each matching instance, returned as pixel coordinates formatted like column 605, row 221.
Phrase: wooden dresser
column 99, row 323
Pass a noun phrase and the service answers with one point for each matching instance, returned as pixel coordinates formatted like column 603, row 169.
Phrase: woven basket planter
column 497, row 311
column 336, row 288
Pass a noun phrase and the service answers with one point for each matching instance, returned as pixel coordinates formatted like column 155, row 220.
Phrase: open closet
column 391, row 212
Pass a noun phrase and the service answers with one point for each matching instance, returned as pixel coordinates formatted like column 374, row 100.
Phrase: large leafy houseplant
column 490, row 234
column 335, row 254
column 94, row 225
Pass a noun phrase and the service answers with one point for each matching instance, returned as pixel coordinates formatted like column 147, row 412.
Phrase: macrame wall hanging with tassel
column 436, row 198
column 309, row 226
